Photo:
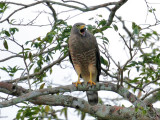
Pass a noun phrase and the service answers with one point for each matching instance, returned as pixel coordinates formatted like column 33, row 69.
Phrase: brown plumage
column 85, row 57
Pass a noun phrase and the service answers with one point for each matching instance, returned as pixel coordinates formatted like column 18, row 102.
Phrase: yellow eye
column 78, row 26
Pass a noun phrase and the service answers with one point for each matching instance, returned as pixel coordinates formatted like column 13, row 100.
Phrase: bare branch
column 26, row 69
column 154, row 98
column 107, row 73
column 34, row 55
column 10, row 57
column 117, row 6
column 150, row 8
column 53, row 11
column 37, row 73
column 153, row 91
column 76, row 2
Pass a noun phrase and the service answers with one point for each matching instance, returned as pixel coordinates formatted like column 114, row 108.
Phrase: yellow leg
column 78, row 82
column 90, row 80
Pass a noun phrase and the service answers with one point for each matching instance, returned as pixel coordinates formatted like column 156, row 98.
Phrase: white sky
column 132, row 11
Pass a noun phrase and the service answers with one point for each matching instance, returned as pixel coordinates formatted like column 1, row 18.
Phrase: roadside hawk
column 85, row 58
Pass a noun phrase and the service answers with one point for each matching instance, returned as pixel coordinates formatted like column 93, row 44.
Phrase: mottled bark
column 42, row 97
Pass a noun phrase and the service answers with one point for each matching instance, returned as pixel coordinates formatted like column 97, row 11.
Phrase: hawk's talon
column 76, row 83
column 91, row 82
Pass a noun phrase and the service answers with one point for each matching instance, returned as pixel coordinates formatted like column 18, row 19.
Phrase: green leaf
column 152, row 10
column 26, row 55
column 90, row 28
column 47, row 108
column 91, row 18
column 27, row 49
column 42, row 86
column 13, row 30
column 133, row 25
column 155, row 33
column 136, row 30
column 18, row 115
column 102, row 22
column 36, row 44
column 7, row 33
column 39, row 38
column 2, row 5
column 144, row 112
column 99, row 15
column 47, row 58
column 136, row 109
column 115, row 27
column 83, row 115
column 31, row 66
column 50, row 71
column 129, row 72
column 64, row 110
column 30, row 56
column 135, row 80
column 105, row 40
column 5, row 44
column 137, row 67
column 103, row 61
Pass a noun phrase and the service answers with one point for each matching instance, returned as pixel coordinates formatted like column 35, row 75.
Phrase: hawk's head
column 79, row 28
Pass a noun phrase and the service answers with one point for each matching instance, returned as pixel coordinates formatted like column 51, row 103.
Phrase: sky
column 133, row 10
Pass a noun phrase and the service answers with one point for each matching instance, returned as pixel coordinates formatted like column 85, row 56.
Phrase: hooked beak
column 82, row 30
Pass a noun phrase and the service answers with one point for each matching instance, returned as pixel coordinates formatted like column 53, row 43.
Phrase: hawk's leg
column 78, row 82
column 90, row 79
column 78, row 70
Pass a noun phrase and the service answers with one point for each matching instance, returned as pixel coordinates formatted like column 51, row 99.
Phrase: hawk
column 85, row 58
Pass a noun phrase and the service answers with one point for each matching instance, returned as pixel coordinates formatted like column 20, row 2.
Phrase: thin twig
column 26, row 68
column 40, row 71
column 153, row 91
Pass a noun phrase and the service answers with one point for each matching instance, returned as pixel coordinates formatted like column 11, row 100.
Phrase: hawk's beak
column 82, row 27
column 82, row 30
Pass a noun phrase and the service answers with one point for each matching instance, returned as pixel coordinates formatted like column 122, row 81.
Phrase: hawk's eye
column 77, row 26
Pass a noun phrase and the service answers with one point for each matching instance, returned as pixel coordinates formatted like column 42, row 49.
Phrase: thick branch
column 102, row 111
column 70, row 88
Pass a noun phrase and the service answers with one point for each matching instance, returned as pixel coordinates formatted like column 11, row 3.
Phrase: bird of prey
column 85, row 58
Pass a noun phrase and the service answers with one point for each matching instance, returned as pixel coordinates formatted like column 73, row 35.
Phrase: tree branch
column 117, row 5
column 102, row 111
column 154, row 98
column 70, row 88
column 37, row 73
column 10, row 57
column 53, row 11
column 34, row 55
column 112, row 14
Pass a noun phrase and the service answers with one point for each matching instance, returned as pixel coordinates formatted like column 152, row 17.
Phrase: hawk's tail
column 92, row 97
